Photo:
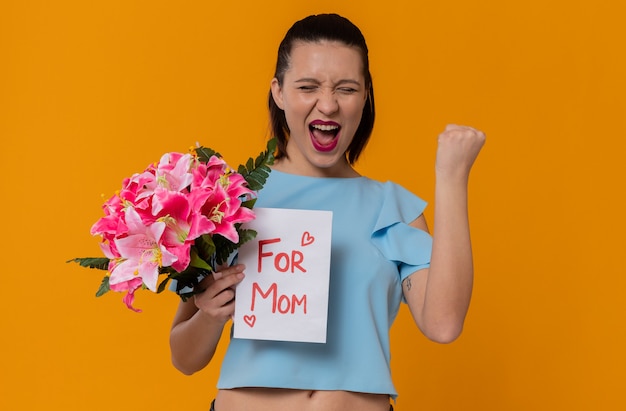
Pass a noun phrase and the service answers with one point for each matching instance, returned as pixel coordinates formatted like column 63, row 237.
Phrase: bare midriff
column 272, row 399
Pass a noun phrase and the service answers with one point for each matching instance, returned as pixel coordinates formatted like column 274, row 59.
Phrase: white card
column 284, row 296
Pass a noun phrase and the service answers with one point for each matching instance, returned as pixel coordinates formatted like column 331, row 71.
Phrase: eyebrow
column 340, row 82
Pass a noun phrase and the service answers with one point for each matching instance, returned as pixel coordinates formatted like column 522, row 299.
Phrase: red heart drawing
column 250, row 320
column 307, row 239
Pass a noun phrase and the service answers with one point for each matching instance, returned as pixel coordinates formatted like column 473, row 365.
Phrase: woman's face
column 322, row 95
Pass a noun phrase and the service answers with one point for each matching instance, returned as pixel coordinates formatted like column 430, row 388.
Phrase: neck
column 339, row 170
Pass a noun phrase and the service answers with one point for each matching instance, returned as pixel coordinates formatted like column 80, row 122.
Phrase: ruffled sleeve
column 410, row 248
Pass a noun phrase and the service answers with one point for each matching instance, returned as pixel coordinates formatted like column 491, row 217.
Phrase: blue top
column 372, row 250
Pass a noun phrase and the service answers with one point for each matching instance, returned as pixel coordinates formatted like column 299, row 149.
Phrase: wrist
column 208, row 320
column 453, row 179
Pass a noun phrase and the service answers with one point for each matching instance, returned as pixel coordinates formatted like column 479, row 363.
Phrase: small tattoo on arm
column 408, row 283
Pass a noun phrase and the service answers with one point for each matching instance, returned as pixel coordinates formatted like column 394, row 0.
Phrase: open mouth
column 324, row 135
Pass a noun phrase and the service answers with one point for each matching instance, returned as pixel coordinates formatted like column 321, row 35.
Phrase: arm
column 439, row 297
column 198, row 323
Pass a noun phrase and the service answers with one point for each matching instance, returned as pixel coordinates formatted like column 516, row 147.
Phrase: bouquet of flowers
column 180, row 219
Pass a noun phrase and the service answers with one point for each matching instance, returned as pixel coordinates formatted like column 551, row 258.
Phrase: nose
column 327, row 103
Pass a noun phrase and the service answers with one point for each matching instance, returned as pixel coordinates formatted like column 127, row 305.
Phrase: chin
column 329, row 164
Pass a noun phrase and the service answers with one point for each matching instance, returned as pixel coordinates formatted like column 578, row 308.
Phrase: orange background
column 91, row 92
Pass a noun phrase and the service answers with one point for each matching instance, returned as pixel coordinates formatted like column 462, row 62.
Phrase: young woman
column 322, row 111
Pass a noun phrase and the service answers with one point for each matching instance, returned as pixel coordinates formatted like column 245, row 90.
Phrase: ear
column 277, row 93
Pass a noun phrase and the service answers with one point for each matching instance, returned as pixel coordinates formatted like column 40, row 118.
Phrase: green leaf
column 255, row 172
column 198, row 262
column 104, row 287
column 271, row 146
column 249, row 203
column 205, row 153
column 223, row 248
column 258, row 161
column 226, row 247
column 190, row 277
column 100, row 263
column 246, row 235
column 205, row 246
column 163, row 284
column 263, row 171
column 254, row 182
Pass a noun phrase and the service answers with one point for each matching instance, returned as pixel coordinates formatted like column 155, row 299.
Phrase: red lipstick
column 324, row 135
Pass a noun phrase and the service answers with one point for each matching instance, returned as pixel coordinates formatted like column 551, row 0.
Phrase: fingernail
column 217, row 275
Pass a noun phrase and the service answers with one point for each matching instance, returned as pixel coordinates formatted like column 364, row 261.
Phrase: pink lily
column 174, row 210
column 218, row 206
column 142, row 252
column 206, row 174
column 130, row 287
column 140, row 186
column 173, row 172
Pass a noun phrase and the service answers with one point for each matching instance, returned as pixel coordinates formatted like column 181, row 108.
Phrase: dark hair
column 312, row 29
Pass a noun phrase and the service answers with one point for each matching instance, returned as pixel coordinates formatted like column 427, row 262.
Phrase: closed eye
column 307, row 88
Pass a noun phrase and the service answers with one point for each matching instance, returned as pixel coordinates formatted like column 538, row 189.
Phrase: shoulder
column 395, row 192
column 397, row 204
